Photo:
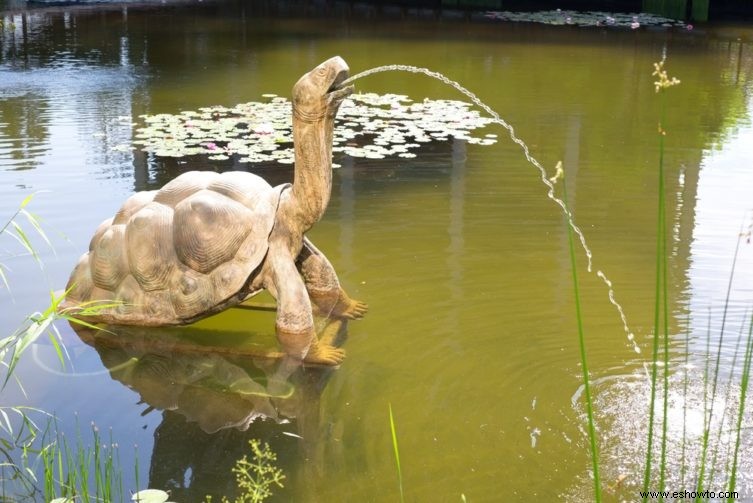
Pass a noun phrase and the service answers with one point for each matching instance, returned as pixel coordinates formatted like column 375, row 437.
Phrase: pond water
column 471, row 334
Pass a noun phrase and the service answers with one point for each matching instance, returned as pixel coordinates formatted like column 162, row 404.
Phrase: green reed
column 727, row 396
column 397, row 454
column 88, row 473
column 685, row 400
column 744, row 381
column 560, row 173
column 660, row 295
column 660, row 355
column 715, row 378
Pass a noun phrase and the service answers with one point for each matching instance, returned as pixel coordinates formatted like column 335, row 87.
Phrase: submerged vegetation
column 256, row 477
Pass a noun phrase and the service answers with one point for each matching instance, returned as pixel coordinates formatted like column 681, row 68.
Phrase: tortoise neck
column 312, row 183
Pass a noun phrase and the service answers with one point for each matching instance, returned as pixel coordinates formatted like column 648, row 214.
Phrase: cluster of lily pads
column 590, row 18
column 369, row 125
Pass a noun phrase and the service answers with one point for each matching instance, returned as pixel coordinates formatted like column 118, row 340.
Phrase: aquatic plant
column 13, row 229
column 19, row 433
column 561, row 17
column 255, row 478
column 393, row 431
column 560, row 174
column 744, row 382
column 41, row 322
column 78, row 471
column 369, row 126
column 662, row 83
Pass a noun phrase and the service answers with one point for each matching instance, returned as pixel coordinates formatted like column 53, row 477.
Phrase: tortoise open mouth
column 341, row 76
column 336, row 90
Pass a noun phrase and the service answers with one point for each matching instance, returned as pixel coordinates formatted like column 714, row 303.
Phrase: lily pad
column 369, row 125
column 150, row 496
column 561, row 17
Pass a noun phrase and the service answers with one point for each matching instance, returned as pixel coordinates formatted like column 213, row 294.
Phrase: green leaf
column 27, row 200
column 30, row 334
column 58, row 349
column 9, row 427
column 31, row 474
column 4, row 278
column 34, row 221
column 21, row 237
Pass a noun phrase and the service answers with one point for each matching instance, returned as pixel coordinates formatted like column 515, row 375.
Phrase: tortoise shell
column 174, row 255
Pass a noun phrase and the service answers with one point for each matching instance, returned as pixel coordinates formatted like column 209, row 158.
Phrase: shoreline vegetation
column 689, row 11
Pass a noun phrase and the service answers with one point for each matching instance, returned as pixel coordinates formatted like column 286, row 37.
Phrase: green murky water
column 471, row 333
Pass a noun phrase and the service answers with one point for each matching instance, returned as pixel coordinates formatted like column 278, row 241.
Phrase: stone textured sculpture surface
column 208, row 241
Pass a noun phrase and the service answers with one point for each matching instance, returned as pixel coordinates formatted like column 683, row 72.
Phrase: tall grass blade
column 706, row 431
column 581, row 341
column 744, row 382
column 58, row 350
column 727, row 396
column 397, row 455
column 136, row 466
column 665, row 327
column 657, row 314
column 4, row 277
column 685, row 400
column 663, row 83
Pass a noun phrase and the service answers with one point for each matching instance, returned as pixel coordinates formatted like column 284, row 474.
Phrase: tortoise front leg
column 295, row 322
column 324, row 288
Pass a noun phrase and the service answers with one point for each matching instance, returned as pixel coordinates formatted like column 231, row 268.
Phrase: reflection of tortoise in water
column 206, row 241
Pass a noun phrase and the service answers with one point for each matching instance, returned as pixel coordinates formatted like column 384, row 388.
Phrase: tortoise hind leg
column 324, row 289
column 295, row 322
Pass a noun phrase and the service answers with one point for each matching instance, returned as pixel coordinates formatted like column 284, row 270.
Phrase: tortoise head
column 319, row 92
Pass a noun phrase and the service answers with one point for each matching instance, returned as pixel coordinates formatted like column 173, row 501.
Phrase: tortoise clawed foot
column 325, row 355
column 355, row 310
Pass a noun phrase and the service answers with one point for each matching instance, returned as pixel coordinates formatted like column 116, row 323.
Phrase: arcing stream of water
column 542, row 172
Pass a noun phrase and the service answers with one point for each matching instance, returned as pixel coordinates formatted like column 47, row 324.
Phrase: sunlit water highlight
column 542, row 172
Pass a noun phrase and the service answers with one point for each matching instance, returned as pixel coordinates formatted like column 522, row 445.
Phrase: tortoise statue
column 207, row 241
